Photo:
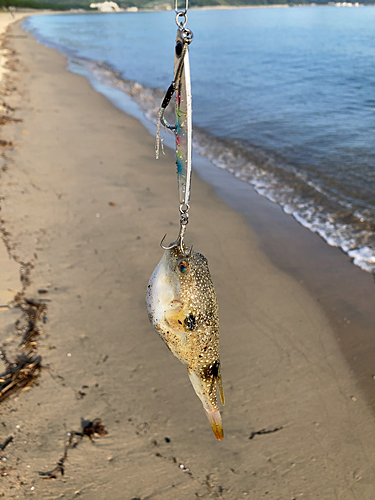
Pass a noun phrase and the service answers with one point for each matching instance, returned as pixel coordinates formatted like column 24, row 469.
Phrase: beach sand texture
column 85, row 204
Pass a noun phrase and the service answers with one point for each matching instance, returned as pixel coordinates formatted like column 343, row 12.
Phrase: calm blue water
column 282, row 98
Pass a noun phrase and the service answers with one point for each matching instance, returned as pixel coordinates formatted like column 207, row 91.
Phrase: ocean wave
column 337, row 220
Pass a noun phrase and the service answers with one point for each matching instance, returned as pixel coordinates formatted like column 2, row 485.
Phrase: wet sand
column 345, row 293
column 85, row 205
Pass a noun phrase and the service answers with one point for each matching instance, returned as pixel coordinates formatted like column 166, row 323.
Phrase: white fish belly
column 163, row 299
column 161, row 293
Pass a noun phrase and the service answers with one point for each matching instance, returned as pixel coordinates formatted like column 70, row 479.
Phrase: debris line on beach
column 20, row 373
column 23, row 370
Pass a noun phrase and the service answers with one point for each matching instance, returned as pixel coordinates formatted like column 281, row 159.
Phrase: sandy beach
column 84, row 206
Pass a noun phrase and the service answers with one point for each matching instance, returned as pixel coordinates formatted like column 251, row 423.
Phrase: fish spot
column 189, row 322
column 215, row 368
column 178, row 49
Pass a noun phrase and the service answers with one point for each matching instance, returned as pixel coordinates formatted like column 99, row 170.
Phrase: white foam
column 235, row 160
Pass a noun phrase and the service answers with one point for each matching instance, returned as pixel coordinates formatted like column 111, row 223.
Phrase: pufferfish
column 182, row 306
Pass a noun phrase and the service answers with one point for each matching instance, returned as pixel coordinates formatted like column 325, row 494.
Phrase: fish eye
column 182, row 267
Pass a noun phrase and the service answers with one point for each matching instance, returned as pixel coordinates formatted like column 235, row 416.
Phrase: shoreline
column 282, row 366
column 121, row 91
column 344, row 291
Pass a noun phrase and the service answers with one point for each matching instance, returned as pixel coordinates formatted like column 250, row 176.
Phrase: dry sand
column 9, row 268
column 84, row 206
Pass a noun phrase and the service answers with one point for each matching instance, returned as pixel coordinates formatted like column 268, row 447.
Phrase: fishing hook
column 187, row 36
column 179, row 242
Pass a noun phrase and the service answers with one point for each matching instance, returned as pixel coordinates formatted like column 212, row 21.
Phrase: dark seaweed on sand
column 89, row 429
column 33, row 312
column 19, row 374
column 25, row 368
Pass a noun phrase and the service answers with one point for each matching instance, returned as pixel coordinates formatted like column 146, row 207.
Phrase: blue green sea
column 283, row 98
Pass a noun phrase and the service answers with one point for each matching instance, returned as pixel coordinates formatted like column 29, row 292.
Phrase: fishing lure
column 181, row 298
column 181, row 87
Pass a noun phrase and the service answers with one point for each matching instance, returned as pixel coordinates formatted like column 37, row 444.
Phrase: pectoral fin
column 219, row 382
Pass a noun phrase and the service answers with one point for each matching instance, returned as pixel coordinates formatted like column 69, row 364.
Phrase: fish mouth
column 214, row 418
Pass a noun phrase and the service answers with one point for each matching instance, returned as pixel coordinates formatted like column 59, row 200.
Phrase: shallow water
column 282, row 98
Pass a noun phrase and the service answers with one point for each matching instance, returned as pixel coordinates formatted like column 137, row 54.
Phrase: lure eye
column 183, row 267
column 178, row 49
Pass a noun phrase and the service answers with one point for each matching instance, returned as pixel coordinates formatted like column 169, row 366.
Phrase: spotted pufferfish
column 182, row 306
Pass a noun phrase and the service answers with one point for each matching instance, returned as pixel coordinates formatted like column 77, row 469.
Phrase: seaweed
column 6, row 442
column 5, row 119
column 34, row 312
column 265, row 431
column 24, row 369
column 89, row 429
column 20, row 373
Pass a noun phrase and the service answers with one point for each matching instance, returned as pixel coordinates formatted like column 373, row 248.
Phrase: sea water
column 283, row 98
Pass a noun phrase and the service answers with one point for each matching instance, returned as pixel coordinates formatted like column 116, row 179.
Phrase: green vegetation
column 48, row 4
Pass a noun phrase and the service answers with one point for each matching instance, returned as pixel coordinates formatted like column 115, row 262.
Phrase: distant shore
column 276, row 6
column 27, row 11
column 233, row 7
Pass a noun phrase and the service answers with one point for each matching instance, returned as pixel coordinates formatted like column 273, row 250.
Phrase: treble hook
column 179, row 242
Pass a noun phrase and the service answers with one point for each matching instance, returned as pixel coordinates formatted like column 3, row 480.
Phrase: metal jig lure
column 181, row 88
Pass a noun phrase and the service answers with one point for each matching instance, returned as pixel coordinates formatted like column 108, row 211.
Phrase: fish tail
column 206, row 391
column 214, row 418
